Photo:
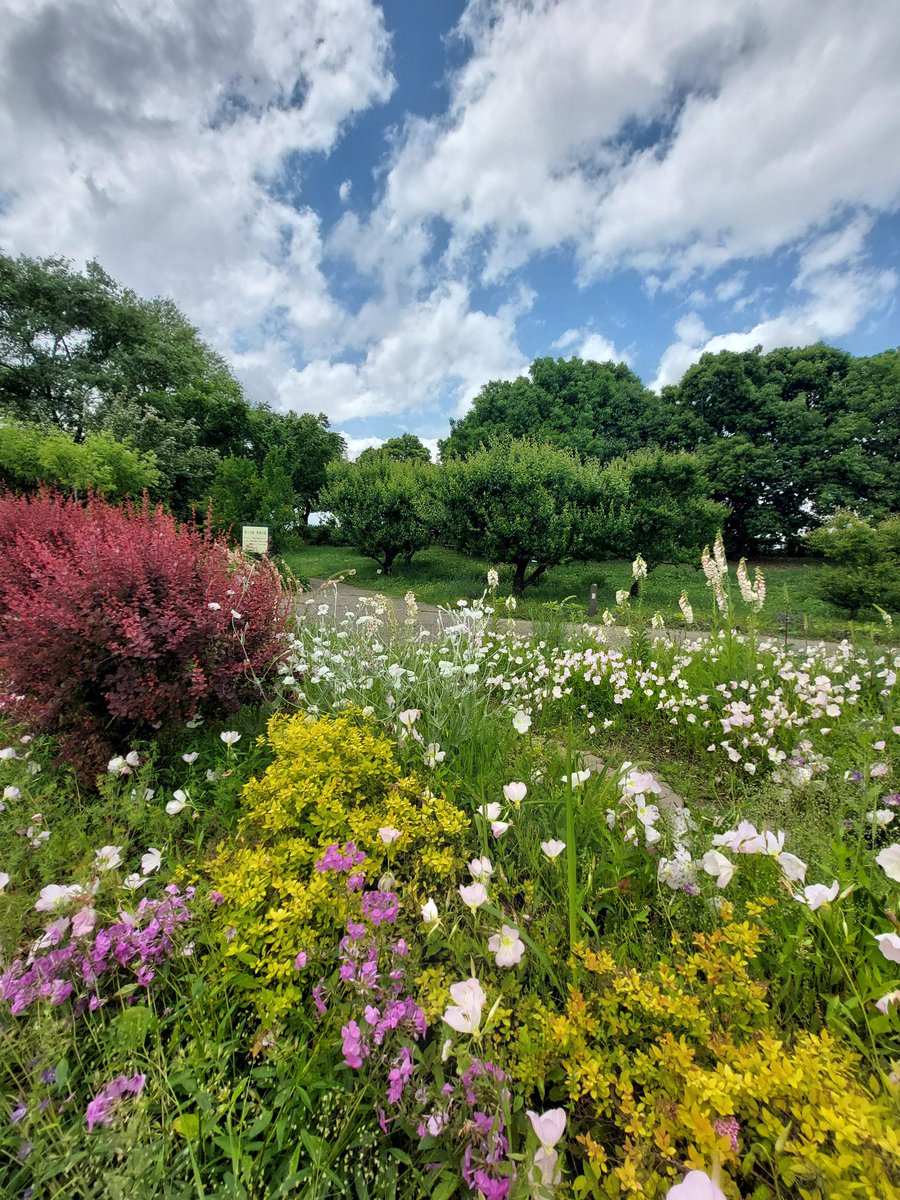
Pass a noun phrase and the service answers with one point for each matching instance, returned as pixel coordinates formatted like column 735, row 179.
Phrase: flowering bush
column 117, row 621
column 329, row 816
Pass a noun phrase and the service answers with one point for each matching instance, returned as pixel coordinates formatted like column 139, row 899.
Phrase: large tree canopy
column 787, row 436
column 81, row 354
column 599, row 410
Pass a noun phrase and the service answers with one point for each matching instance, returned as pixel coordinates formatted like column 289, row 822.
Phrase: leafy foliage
column 863, row 560
column 30, row 455
column 385, row 507
column 114, row 622
column 405, row 447
column 524, row 503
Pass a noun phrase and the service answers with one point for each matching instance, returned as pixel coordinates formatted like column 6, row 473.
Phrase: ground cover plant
column 386, row 932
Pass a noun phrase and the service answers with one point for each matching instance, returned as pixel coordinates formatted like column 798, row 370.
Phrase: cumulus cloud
column 150, row 137
column 437, row 355
column 672, row 137
column 584, row 343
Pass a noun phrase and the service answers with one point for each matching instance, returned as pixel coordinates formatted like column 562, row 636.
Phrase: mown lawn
column 441, row 576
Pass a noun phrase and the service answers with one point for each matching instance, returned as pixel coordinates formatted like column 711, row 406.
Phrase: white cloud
column 344, row 190
column 785, row 113
column 584, row 343
column 437, row 355
column 356, row 445
column 835, row 303
column 151, row 139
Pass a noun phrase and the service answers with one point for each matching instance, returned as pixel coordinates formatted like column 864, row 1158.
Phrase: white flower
column 498, row 828
column 493, row 579
column 622, row 597
column 886, row 1001
column 4, row 880
column 521, row 722
column 473, row 895
column 213, row 607
column 117, row 766
column 639, row 568
column 889, row 945
column 211, row 777
column 429, row 912
column 133, row 758
column 388, row 834
column 639, row 783
column 716, row 864
column 879, row 770
column 553, row 848
column 175, row 806
column 7, row 752
column 464, row 1015
column 11, row 793
column 490, row 812
column 133, row 881
column 409, row 717
column 545, row 1171
column 107, row 858
column 230, row 736
column 686, row 611
column 55, row 896
column 696, row 1185
column 480, row 868
column 236, row 615
column 507, row 946
column 577, row 778
column 549, row 1126
column 817, row 894
column 889, row 861
column 881, row 817
column 515, row 792
column 190, row 758
column 434, row 754
column 793, row 868
column 150, row 861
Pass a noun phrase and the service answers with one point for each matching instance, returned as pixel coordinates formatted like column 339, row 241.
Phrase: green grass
column 440, row 576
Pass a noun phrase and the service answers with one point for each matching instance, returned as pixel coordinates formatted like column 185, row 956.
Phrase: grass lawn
column 441, row 576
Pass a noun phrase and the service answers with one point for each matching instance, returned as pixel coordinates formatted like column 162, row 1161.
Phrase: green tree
column 407, row 447
column 307, row 446
column 863, row 562
column 386, row 508
column 663, row 505
column 525, row 503
column 599, row 410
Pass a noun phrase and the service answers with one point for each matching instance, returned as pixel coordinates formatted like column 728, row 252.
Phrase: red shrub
column 115, row 622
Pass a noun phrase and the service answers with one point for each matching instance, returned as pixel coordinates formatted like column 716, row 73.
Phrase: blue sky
column 372, row 209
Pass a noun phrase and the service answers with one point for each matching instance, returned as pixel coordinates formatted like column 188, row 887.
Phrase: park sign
column 256, row 538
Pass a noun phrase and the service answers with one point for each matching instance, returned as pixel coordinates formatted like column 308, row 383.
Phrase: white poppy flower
column 230, row 736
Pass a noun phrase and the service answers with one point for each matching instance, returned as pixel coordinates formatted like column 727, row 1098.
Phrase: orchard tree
column 525, row 503
column 386, row 508
column 306, row 444
column 663, row 505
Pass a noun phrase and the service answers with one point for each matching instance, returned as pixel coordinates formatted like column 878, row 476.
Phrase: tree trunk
column 519, row 577
column 389, row 556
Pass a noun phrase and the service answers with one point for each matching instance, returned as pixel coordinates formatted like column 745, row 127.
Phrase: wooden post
column 592, row 603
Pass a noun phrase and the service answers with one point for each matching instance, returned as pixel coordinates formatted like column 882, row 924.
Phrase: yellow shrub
column 333, row 780
column 681, row 1067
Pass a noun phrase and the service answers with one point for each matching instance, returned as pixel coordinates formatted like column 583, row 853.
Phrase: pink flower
column 696, row 1185
column 507, row 946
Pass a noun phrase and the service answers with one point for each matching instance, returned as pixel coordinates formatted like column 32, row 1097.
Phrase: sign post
column 256, row 539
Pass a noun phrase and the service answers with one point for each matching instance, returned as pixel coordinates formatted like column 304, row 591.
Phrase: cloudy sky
column 372, row 209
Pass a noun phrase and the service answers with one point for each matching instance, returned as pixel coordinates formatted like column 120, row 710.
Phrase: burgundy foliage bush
column 117, row 622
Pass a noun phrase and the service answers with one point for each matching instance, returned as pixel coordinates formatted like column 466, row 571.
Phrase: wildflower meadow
column 349, row 908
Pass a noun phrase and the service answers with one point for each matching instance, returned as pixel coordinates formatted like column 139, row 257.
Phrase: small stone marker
column 592, row 603
column 255, row 538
